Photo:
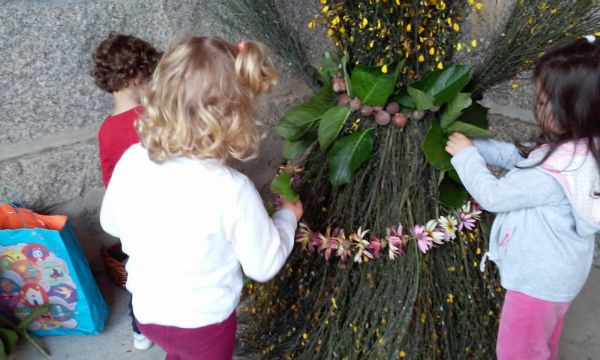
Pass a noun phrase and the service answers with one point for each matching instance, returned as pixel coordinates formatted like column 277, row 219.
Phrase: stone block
column 53, row 177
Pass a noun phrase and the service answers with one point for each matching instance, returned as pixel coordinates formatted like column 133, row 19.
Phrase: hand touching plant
column 457, row 142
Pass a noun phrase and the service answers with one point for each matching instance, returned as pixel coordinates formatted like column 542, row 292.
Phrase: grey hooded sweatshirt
column 542, row 239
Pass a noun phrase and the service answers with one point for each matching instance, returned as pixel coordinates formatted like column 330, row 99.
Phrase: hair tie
column 241, row 45
column 590, row 38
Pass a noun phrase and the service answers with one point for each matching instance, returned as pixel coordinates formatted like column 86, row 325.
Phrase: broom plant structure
column 388, row 259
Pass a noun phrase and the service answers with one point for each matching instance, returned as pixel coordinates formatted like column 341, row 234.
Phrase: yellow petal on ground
column 456, row 27
column 311, row 24
column 384, row 69
column 323, row 2
column 459, row 46
column 421, row 58
column 408, row 27
column 474, row 43
column 479, row 5
column 325, row 8
column 431, row 51
column 440, row 66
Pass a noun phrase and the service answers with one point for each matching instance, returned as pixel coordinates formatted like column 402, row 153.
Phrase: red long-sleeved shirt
column 117, row 133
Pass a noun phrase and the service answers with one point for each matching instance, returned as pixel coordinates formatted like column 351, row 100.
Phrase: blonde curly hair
column 201, row 99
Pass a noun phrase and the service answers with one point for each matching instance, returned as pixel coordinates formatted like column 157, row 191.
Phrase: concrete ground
column 580, row 340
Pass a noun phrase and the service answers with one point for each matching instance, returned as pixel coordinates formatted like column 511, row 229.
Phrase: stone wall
column 50, row 109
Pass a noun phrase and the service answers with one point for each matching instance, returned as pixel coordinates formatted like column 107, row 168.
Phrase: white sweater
column 187, row 226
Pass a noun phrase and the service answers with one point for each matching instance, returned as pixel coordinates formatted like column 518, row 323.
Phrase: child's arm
column 261, row 244
column 107, row 220
column 497, row 153
column 519, row 189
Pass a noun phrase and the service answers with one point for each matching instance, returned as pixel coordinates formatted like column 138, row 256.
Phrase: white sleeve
column 107, row 213
column 496, row 153
column 261, row 244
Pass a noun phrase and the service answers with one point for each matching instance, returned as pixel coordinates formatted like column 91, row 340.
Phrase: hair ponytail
column 253, row 69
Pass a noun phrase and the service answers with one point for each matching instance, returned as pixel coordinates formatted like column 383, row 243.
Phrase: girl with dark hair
column 547, row 205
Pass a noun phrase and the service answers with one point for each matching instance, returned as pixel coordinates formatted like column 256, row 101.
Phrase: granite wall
column 50, row 109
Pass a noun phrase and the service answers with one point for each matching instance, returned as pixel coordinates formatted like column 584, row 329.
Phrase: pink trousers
column 530, row 328
column 212, row 342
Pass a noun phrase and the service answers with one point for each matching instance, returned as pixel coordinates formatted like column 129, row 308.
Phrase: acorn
column 344, row 99
column 392, row 107
column 355, row 104
column 339, row 85
column 367, row 111
column 382, row 118
column 399, row 120
column 417, row 115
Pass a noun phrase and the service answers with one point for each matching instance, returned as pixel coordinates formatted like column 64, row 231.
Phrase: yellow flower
column 440, row 65
column 450, row 299
column 402, row 354
column 384, row 69
column 479, row 5
column 421, row 58
column 336, row 20
column 364, row 23
column 371, row 43
column 553, row 11
column 597, row 33
column 472, row 2
column 474, row 43
column 305, row 336
column 397, row 2
column 459, row 46
column 530, row 20
column 515, row 85
column 408, row 27
column 342, row 30
column 449, row 21
column 441, row 6
column 456, row 27
column 378, row 24
column 330, row 32
column 325, row 8
column 478, row 251
column 323, row 2
column 311, row 24
column 431, row 51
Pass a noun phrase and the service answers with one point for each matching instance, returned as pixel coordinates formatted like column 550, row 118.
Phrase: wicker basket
column 114, row 263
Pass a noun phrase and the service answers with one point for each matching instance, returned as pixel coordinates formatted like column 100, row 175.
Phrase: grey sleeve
column 498, row 153
column 519, row 189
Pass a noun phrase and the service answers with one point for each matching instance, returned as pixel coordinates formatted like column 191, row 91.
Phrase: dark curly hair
column 122, row 58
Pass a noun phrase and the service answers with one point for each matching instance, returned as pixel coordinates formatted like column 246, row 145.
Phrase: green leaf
column 345, row 62
column 434, row 146
column 444, row 84
column 455, row 108
column 323, row 100
column 421, row 99
column 331, row 124
column 372, row 86
column 36, row 313
column 293, row 150
column 302, row 115
column 469, row 130
column 282, row 185
column 454, row 176
column 291, row 132
column 477, row 115
column 8, row 340
column 347, row 155
column 451, row 193
column 405, row 100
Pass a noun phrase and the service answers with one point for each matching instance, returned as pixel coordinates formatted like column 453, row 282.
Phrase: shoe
column 141, row 342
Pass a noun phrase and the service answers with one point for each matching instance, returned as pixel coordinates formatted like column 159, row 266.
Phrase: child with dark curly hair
column 122, row 65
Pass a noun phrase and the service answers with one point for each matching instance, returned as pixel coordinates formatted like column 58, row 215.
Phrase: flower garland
column 356, row 246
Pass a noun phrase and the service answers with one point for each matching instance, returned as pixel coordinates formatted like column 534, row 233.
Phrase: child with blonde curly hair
column 190, row 223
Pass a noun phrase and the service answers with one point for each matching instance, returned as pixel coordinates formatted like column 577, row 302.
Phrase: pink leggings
column 530, row 328
column 212, row 342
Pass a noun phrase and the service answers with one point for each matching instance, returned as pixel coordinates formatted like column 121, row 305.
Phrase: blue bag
column 41, row 262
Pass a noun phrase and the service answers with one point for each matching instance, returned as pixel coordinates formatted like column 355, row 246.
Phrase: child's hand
column 457, row 142
column 296, row 207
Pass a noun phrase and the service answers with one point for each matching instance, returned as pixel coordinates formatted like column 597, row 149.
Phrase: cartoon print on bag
column 35, row 252
column 33, row 295
column 31, row 275
column 55, row 271
column 29, row 271
column 8, row 257
column 64, row 292
column 10, row 287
